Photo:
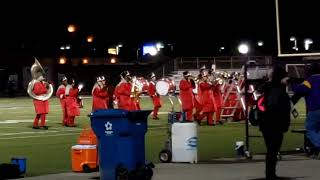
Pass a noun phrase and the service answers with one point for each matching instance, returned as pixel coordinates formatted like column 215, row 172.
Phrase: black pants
column 273, row 141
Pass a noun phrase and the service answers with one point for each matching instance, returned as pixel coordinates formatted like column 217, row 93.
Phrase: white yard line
column 40, row 132
column 25, row 137
column 15, row 121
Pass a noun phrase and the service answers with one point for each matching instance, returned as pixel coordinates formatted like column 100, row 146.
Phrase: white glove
column 61, row 96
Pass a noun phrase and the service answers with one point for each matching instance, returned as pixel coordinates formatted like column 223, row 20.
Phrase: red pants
column 218, row 114
column 36, row 120
column 209, row 116
column 70, row 121
column 155, row 111
column 188, row 115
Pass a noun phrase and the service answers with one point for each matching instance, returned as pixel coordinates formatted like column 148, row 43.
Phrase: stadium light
column 243, row 48
column 62, row 48
column 260, row 43
column 68, row 47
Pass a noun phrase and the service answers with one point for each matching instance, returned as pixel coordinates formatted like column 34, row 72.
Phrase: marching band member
column 61, row 95
column 73, row 110
column 198, row 95
column 186, row 95
column 154, row 95
column 135, row 92
column 207, row 101
column 124, row 92
column 41, row 107
column 100, row 94
column 217, row 95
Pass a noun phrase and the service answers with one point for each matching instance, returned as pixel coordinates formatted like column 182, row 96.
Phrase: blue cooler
column 21, row 162
column 121, row 143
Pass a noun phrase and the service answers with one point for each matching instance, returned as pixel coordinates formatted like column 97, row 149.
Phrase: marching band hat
column 152, row 75
column 186, row 73
column 64, row 79
column 125, row 74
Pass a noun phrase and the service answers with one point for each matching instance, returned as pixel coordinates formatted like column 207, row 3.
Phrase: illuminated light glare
column 85, row 61
column 62, row 61
column 222, row 48
column 68, row 46
column 292, row 38
column 112, row 51
column 159, row 46
column 90, row 39
column 71, row 28
column 113, row 60
column 153, row 51
column 260, row 43
column 62, row 48
column 243, row 48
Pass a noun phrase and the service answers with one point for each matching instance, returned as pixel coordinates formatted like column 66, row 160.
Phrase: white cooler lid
column 79, row 146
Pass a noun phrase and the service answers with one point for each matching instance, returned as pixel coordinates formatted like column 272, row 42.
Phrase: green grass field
column 49, row 151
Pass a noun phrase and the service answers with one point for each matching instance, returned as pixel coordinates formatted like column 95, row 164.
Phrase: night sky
column 195, row 28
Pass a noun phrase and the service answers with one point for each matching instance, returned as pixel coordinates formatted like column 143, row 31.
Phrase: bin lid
column 115, row 113
column 79, row 146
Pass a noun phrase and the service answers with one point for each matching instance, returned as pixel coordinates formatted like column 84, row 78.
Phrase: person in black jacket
column 276, row 119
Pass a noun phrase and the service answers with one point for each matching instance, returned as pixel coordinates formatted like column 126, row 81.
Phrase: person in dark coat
column 276, row 119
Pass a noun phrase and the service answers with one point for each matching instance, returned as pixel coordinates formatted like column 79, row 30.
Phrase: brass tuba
column 37, row 74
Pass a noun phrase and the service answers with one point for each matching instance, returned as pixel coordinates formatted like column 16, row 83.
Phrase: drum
column 142, row 84
column 165, row 86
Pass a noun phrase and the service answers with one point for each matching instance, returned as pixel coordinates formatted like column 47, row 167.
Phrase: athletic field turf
column 49, row 151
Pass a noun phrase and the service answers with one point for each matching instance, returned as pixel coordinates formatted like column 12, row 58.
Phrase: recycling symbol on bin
column 108, row 126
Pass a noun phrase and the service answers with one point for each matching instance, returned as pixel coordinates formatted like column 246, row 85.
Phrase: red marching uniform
column 41, row 107
column 72, row 104
column 125, row 100
column 186, row 96
column 218, row 101
column 208, row 107
column 155, row 99
column 100, row 98
column 197, row 102
column 61, row 95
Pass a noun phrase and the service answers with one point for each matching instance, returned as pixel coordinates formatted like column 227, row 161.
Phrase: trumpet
column 135, row 89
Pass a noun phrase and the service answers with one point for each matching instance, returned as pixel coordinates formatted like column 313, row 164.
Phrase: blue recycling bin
column 21, row 162
column 121, row 140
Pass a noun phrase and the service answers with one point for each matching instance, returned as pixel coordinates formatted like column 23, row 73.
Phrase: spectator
column 311, row 91
column 276, row 119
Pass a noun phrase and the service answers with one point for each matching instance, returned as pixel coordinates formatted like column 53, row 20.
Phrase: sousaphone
column 37, row 74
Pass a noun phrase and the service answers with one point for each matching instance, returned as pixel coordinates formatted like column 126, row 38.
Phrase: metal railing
column 222, row 62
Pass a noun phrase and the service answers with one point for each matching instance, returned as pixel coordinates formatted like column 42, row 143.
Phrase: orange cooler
column 84, row 158
column 87, row 136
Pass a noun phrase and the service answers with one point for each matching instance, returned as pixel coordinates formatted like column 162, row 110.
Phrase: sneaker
column 35, row 127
